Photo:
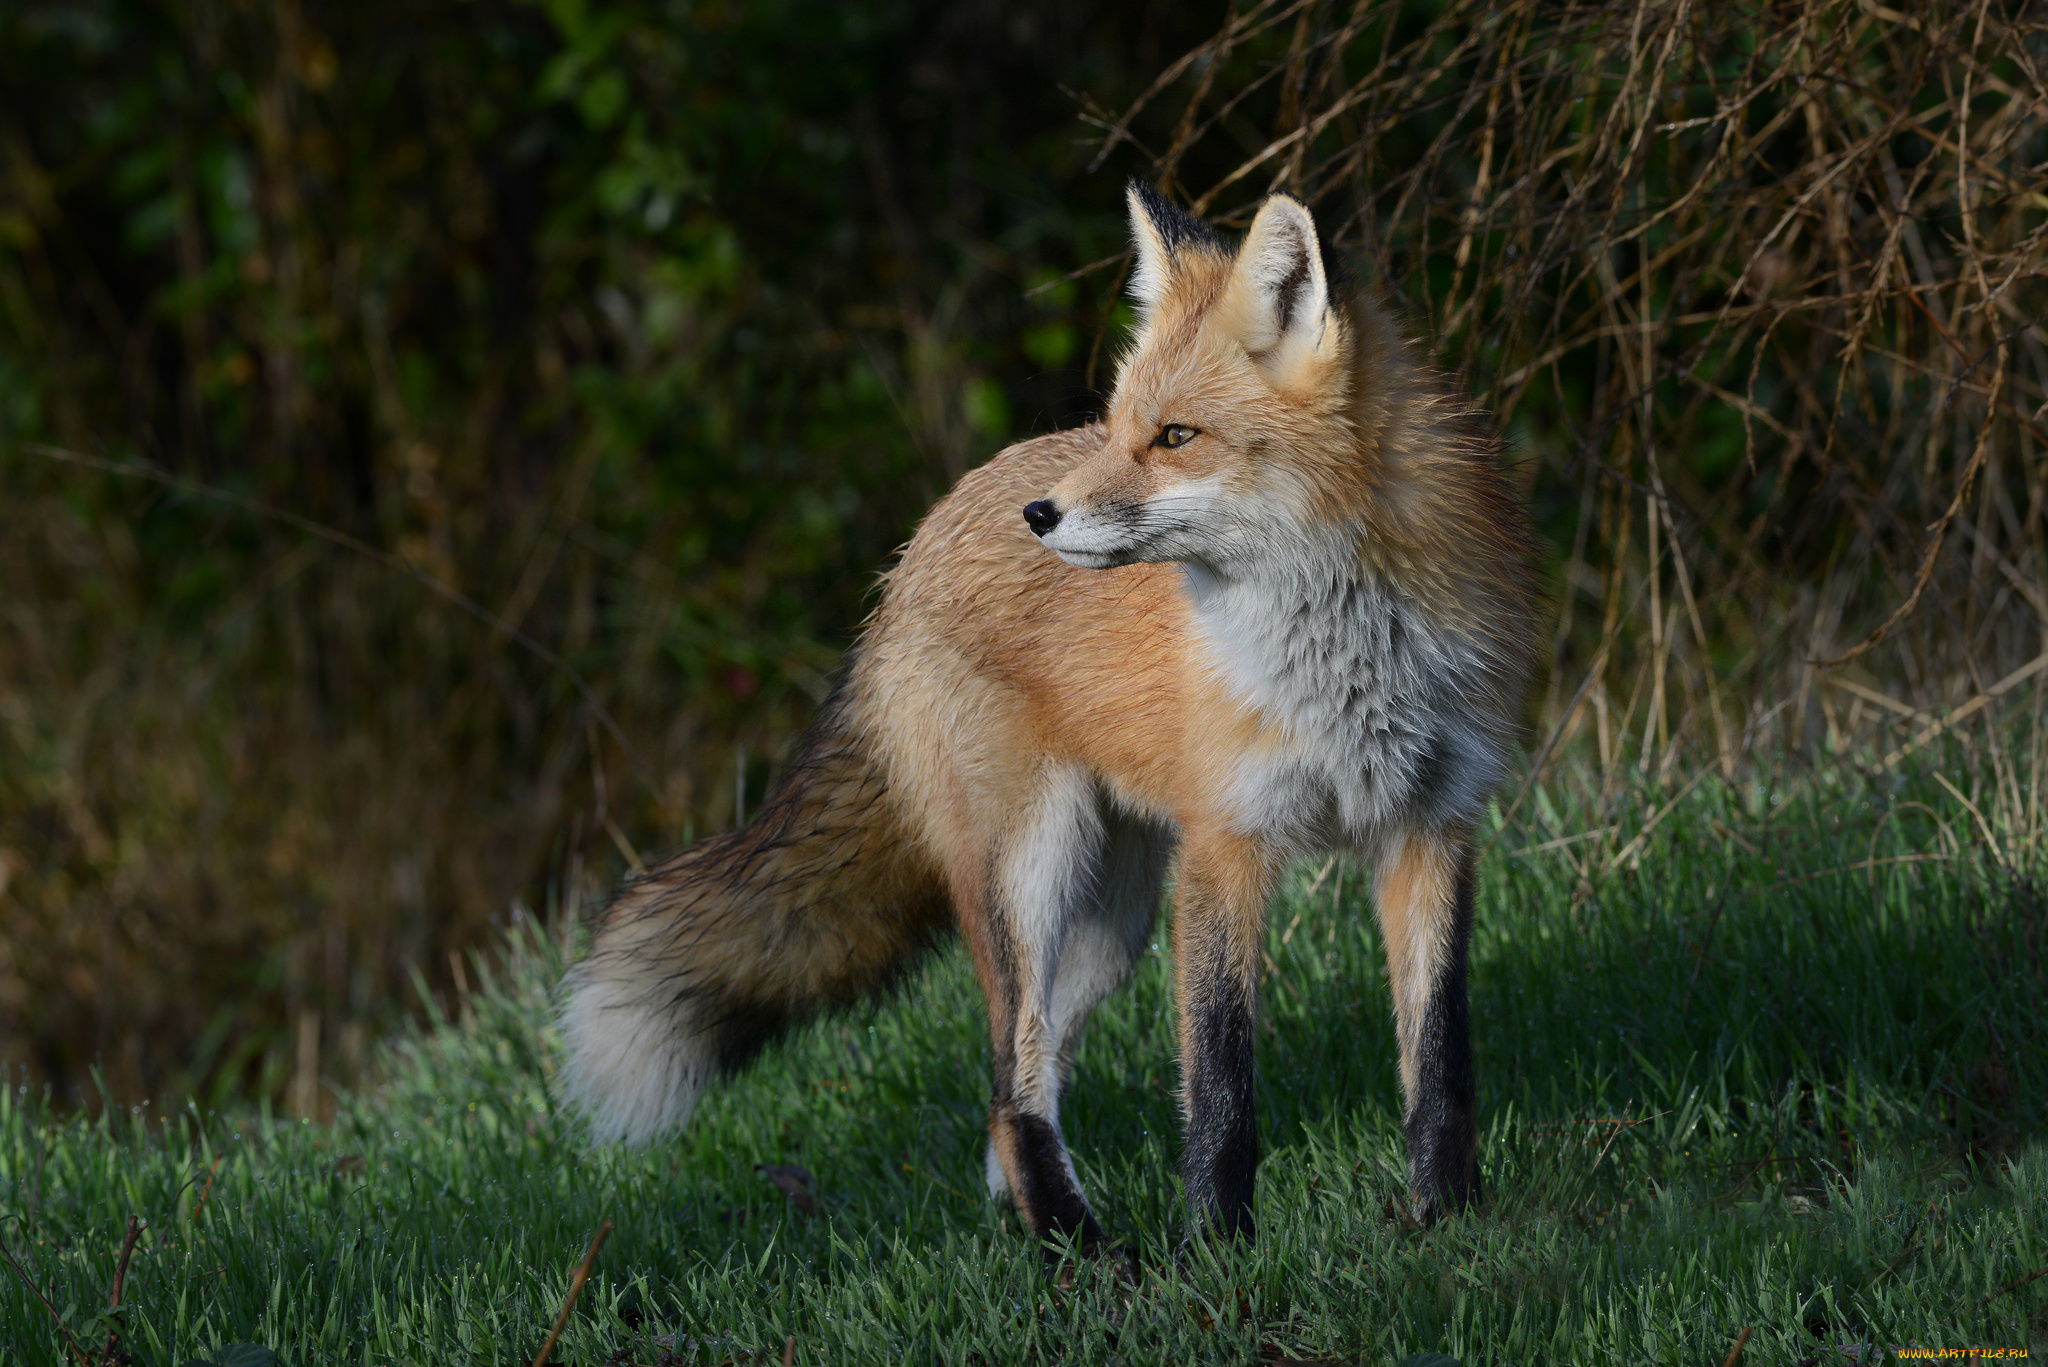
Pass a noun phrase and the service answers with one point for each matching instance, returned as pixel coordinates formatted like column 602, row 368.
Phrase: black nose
column 1042, row 516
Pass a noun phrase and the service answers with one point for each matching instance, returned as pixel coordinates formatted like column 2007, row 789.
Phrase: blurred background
column 446, row 446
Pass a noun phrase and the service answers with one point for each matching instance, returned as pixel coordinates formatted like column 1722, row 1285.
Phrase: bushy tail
column 820, row 900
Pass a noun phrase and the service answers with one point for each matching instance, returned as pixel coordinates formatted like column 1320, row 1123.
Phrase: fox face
column 1231, row 409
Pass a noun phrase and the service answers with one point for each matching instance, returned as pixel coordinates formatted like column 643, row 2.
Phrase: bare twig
column 1620, row 215
column 199, row 1206
column 1321, row 874
column 2015, row 1284
column 120, row 1278
column 1937, row 726
column 1620, row 1128
column 582, row 1275
column 1622, row 855
column 1542, row 758
column 44, row 1301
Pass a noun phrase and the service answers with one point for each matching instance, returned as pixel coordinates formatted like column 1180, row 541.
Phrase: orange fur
column 1291, row 610
column 1415, row 890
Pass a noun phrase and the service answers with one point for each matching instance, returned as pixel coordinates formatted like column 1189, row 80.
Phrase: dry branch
column 1779, row 272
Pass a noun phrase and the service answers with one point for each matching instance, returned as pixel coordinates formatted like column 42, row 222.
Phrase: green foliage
column 1754, row 1080
column 238, row 1355
column 650, row 326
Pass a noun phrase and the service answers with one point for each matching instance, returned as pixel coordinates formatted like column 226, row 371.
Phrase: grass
column 1779, row 1065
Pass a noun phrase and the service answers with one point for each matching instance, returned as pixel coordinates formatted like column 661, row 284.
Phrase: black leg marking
column 1050, row 1199
column 1034, row 1160
column 1223, row 1131
column 1443, row 1136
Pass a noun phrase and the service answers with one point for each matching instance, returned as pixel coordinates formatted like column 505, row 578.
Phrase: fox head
column 1230, row 426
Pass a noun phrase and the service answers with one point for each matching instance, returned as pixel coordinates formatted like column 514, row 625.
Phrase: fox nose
column 1042, row 516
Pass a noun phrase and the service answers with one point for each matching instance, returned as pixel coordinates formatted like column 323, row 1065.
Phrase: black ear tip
column 1149, row 195
column 1175, row 225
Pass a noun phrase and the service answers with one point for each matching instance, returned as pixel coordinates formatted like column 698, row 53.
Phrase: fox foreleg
column 1219, row 926
column 1424, row 890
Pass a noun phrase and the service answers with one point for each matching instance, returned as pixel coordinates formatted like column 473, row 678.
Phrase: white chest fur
column 1385, row 716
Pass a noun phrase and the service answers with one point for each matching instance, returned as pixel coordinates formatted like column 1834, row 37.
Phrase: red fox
column 1278, row 600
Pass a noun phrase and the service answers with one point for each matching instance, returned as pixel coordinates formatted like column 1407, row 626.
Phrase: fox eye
column 1173, row 434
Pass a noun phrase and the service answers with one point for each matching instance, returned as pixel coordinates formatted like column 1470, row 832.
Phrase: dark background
column 444, row 447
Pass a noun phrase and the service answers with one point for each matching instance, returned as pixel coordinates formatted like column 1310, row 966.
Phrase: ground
column 1762, row 1055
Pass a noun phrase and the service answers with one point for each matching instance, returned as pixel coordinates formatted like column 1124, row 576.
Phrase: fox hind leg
column 1106, row 938
column 1424, row 888
column 1040, row 895
column 1104, row 930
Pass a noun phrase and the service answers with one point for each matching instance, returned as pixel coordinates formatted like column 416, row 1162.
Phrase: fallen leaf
column 792, row 1182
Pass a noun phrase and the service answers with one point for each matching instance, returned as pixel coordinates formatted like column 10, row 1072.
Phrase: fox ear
column 1278, row 301
column 1160, row 229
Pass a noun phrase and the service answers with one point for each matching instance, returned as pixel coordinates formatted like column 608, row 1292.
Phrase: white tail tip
column 634, row 1068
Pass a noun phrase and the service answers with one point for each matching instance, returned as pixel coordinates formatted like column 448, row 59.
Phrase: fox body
column 1277, row 601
